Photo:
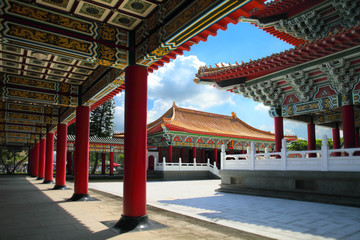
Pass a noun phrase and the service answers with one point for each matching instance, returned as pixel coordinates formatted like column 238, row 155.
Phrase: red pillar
column 194, row 154
column 160, row 157
column 61, row 148
column 336, row 140
column 81, row 161
column 111, row 163
column 69, row 162
column 279, row 133
column 42, row 155
column 103, row 162
column 36, row 159
column 49, row 163
column 134, row 201
column 203, row 155
column 348, row 126
column 170, row 153
column 311, row 138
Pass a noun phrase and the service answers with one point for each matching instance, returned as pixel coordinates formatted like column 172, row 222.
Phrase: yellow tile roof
column 192, row 121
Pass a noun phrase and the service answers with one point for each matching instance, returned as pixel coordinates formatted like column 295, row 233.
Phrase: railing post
column 324, row 153
column 266, row 152
column 208, row 162
column 252, row 156
column 283, row 155
column 164, row 163
column 194, row 163
column 155, row 163
column 222, row 157
column 180, row 163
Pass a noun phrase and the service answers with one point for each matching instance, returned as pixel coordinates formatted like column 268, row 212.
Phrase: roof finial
column 233, row 114
column 174, row 105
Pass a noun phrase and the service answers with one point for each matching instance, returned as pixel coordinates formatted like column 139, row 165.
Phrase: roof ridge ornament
column 233, row 114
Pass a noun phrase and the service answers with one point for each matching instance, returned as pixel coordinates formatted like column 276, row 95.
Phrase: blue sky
column 174, row 81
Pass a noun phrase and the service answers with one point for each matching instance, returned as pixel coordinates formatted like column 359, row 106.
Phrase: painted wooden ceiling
column 59, row 54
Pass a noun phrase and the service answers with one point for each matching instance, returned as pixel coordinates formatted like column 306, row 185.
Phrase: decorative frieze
column 302, row 85
column 349, row 11
column 310, row 106
column 306, row 26
column 182, row 140
column 266, row 92
column 341, row 75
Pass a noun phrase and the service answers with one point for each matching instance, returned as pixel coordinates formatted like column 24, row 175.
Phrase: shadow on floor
column 27, row 213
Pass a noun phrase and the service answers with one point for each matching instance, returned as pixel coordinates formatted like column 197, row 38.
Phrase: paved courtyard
column 269, row 217
column 31, row 210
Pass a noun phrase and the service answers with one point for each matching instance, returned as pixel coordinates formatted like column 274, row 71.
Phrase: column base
column 80, row 197
column 40, row 178
column 33, row 176
column 126, row 224
column 59, row 187
column 48, row 182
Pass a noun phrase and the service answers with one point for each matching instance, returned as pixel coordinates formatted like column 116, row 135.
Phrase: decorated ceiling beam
column 195, row 23
column 105, row 83
column 27, row 118
column 38, row 28
column 29, row 108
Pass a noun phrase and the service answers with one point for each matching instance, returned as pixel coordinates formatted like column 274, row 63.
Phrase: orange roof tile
column 191, row 121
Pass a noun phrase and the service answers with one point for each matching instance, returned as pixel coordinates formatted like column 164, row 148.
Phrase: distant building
column 189, row 134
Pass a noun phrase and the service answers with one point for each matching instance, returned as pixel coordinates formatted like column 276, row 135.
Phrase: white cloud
column 174, row 82
column 119, row 112
column 265, row 127
column 262, row 107
column 288, row 131
column 159, row 108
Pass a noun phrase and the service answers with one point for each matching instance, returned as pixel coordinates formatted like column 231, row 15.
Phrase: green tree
column 299, row 145
column 102, row 124
column 101, row 120
column 11, row 161
column 302, row 145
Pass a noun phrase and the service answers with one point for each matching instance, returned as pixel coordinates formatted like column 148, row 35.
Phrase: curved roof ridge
column 251, row 127
column 204, row 71
column 160, row 119
column 202, row 112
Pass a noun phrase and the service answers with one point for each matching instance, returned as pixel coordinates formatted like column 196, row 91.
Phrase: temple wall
column 332, row 187
column 182, row 175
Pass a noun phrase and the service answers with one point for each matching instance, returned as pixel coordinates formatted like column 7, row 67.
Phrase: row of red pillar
column 44, row 152
column 134, row 201
column 170, row 153
column 350, row 135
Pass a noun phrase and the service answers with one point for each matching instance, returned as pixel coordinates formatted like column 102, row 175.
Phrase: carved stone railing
column 315, row 160
column 180, row 166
